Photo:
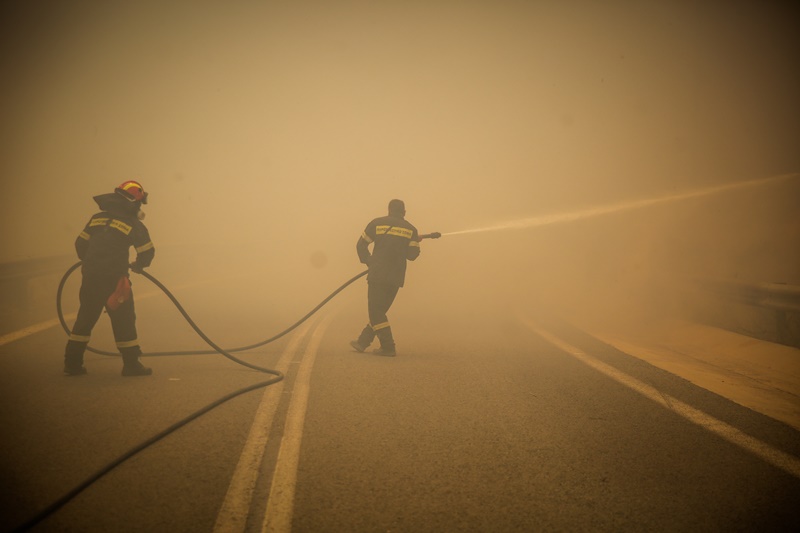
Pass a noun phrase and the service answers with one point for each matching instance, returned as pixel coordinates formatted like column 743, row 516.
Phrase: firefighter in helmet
column 395, row 241
column 103, row 246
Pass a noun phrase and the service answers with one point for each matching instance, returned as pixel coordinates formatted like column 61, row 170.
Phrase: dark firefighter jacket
column 104, row 243
column 395, row 241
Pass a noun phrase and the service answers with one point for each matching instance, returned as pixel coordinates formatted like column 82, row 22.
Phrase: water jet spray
column 570, row 216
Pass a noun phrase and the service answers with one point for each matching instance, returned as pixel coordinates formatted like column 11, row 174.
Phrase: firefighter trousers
column 380, row 297
column 94, row 294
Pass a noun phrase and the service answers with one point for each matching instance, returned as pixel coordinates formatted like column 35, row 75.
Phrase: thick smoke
column 268, row 134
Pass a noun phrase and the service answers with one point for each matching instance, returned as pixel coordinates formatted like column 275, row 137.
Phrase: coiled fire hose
column 217, row 349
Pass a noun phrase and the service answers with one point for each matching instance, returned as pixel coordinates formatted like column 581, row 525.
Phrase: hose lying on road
column 55, row 506
column 217, row 349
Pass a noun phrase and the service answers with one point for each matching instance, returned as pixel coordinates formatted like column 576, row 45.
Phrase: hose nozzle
column 434, row 235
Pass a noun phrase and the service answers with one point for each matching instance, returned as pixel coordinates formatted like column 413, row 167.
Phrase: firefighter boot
column 131, row 366
column 73, row 359
column 364, row 340
column 387, row 343
column 74, row 369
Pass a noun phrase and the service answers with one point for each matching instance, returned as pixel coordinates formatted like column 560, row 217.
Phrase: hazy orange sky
column 286, row 126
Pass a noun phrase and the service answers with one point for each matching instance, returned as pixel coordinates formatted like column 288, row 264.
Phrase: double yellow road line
column 236, row 507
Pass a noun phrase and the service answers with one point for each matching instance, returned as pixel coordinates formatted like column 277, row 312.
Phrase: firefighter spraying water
column 395, row 241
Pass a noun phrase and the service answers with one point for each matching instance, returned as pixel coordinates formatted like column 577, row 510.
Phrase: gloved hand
column 136, row 268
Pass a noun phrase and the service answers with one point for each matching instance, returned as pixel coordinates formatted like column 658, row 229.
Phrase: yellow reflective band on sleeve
column 366, row 237
column 123, row 227
column 128, row 344
column 98, row 222
column 144, row 247
column 414, row 243
column 79, row 338
column 380, row 230
column 383, row 325
column 84, row 235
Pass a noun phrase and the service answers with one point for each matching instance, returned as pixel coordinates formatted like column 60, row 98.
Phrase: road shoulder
column 757, row 374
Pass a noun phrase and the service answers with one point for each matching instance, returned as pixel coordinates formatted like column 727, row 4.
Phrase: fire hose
column 278, row 376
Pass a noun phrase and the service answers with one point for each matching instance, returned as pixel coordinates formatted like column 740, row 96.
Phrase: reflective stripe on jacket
column 104, row 243
column 394, row 241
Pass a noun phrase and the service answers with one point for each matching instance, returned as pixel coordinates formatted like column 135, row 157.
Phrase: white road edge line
column 280, row 502
column 232, row 516
column 764, row 451
column 30, row 330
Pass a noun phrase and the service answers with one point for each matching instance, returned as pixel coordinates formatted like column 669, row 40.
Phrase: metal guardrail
column 27, row 289
column 30, row 268
column 778, row 296
column 781, row 299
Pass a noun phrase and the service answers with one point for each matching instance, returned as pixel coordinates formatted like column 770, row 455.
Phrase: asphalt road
column 479, row 424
